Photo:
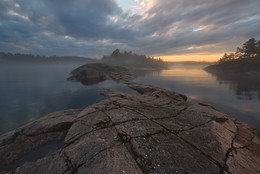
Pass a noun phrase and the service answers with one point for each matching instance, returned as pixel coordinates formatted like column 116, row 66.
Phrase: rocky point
column 154, row 132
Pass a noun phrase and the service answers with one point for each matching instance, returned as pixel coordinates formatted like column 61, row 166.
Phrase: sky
column 175, row 30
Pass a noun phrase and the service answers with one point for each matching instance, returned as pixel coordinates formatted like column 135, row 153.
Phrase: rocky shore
column 154, row 132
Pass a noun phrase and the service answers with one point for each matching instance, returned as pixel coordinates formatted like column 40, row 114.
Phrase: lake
column 32, row 91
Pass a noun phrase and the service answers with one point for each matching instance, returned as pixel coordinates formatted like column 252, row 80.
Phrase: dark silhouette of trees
column 130, row 59
column 227, row 57
column 241, row 69
column 250, row 49
column 246, row 59
column 29, row 58
column 116, row 53
column 258, row 48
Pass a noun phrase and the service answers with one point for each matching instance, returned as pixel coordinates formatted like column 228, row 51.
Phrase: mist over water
column 32, row 91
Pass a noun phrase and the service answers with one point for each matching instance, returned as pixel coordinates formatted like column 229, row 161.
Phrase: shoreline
column 135, row 134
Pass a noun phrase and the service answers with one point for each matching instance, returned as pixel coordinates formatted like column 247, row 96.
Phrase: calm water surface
column 238, row 97
column 29, row 92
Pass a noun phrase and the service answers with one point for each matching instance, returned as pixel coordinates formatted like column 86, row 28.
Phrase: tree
column 258, row 48
column 128, row 58
column 116, row 53
column 227, row 57
column 249, row 48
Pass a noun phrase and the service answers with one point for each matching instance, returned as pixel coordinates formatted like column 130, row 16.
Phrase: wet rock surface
column 154, row 132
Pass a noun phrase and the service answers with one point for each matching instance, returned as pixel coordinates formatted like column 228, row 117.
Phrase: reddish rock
column 154, row 132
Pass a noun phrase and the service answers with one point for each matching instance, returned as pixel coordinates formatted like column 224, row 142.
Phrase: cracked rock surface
column 154, row 132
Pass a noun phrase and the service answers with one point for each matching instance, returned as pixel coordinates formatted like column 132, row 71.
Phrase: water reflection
column 245, row 85
column 190, row 72
column 92, row 81
column 200, row 86
column 28, row 93
column 189, row 75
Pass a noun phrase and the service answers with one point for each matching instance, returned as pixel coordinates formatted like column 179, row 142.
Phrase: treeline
column 133, row 60
column 245, row 59
column 250, row 49
column 26, row 58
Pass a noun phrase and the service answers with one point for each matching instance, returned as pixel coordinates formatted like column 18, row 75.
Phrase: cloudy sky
column 171, row 29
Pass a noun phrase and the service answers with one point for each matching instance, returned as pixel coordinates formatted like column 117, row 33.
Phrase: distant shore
column 241, row 65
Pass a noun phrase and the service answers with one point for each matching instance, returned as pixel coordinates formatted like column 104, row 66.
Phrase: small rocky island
column 154, row 132
column 118, row 66
column 94, row 73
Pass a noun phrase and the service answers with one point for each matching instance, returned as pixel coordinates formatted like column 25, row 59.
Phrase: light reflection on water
column 28, row 93
column 201, row 86
column 189, row 75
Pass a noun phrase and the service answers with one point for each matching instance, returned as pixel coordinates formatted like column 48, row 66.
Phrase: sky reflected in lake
column 30, row 92
column 201, row 86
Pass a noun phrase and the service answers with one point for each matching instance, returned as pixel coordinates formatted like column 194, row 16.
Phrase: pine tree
column 249, row 48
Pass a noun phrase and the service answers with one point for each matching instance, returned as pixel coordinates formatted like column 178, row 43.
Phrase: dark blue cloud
column 96, row 27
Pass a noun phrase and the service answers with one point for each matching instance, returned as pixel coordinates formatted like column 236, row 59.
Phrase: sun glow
column 192, row 57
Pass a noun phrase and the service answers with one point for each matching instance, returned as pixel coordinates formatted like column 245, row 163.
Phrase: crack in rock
column 73, row 168
column 229, row 151
column 143, row 164
column 196, row 126
column 201, row 152
column 246, row 146
column 176, row 132
column 127, row 140
column 234, row 149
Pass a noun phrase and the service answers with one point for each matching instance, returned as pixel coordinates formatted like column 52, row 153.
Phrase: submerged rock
column 154, row 132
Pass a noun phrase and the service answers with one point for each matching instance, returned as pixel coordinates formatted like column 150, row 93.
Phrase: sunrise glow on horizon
column 170, row 29
column 192, row 57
